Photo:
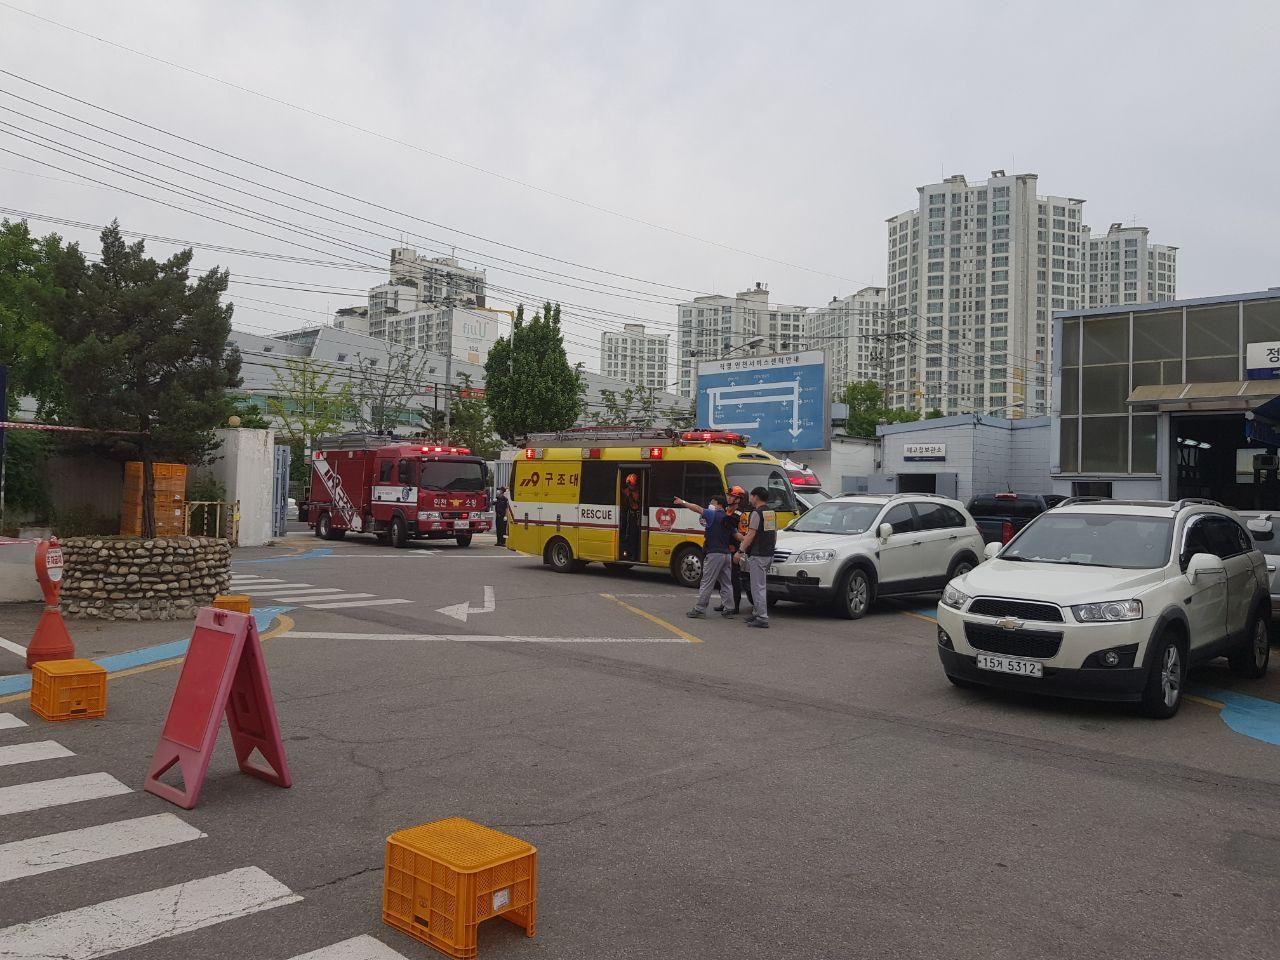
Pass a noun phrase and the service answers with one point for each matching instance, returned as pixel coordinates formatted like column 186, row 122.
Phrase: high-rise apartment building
column 1123, row 266
column 635, row 356
column 851, row 330
column 417, row 282
column 974, row 275
column 465, row 333
column 712, row 326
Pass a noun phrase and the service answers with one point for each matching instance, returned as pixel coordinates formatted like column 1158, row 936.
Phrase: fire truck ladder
column 605, row 437
column 356, row 441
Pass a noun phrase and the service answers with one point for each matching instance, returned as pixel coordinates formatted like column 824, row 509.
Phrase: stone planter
column 167, row 578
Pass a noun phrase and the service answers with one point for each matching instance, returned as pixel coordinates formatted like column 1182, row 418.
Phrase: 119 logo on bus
column 549, row 479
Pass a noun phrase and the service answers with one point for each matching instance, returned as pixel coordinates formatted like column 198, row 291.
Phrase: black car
column 1001, row 515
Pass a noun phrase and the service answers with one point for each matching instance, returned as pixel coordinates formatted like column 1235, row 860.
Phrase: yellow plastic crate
column 237, row 602
column 68, row 689
column 444, row 878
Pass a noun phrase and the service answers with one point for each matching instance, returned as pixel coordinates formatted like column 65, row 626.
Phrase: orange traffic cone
column 51, row 640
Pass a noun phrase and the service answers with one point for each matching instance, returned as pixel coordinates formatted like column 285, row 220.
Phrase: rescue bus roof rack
column 604, row 437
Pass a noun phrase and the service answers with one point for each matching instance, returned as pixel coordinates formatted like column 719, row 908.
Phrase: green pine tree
column 145, row 351
column 530, row 386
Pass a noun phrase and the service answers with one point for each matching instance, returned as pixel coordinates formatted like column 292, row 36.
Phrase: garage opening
column 917, row 483
column 1214, row 457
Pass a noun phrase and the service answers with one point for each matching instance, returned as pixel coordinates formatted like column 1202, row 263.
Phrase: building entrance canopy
column 1258, row 396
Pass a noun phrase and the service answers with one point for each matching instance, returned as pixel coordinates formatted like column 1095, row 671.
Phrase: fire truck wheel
column 464, row 539
column 399, row 533
column 325, row 531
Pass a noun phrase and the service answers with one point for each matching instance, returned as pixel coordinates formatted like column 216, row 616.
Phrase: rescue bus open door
column 633, row 507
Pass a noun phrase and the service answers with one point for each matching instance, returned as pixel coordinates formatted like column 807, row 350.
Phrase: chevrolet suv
column 1110, row 600
column 849, row 550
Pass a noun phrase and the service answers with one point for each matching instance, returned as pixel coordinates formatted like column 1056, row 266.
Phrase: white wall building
column 355, row 319
column 416, row 282
column 974, row 273
column 851, row 330
column 635, row 356
column 465, row 332
column 711, row 326
column 1123, row 266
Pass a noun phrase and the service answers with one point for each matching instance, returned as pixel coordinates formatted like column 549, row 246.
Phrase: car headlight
column 1110, row 612
column 952, row 597
column 814, row 556
column 428, row 515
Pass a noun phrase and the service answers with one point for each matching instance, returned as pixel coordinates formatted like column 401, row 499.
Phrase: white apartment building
column 711, row 326
column 851, row 329
column 974, row 275
column 1123, row 266
column 354, row 319
column 465, row 333
column 417, row 282
column 635, row 356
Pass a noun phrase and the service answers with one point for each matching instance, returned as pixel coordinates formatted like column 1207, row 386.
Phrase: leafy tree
column 37, row 280
column 530, row 385
column 250, row 415
column 934, row 414
column 472, row 426
column 26, row 482
column 865, row 400
column 634, row 407
column 385, row 386
column 145, row 351
column 307, row 404
column 682, row 416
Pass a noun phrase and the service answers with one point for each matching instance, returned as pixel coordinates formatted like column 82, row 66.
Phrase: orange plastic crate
column 68, row 689
column 444, row 878
column 238, row 602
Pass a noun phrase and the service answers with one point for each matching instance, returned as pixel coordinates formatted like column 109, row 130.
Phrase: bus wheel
column 686, row 566
column 560, row 556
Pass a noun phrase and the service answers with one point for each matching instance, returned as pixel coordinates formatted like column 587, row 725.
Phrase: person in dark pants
column 757, row 552
column 715, row 556
column 631, row 518
column 501, row 513
column 736, row 515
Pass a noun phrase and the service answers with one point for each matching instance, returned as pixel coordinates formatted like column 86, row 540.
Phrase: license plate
column 1014, row 665
column 461, row 524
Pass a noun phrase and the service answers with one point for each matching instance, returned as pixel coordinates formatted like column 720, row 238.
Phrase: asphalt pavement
column 694, row 788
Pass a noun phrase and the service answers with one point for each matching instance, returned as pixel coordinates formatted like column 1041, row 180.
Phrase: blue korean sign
column 780, row 400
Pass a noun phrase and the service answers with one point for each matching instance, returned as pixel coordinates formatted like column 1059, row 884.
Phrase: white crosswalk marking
column 256, row 591
column 26, row 858
column 23, row 797
column 251, row 580
column 353, row 603
column 29, row 752
column 126, row 922
column 9, row 722
column 357, row 948
column 14, row 648
column 276, row 591
column 340, row 596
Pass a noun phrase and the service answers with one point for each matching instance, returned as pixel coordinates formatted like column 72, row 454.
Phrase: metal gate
column 280, row 491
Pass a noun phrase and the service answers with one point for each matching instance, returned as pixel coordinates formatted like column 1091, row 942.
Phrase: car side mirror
column 992, row 549
column 1262, row 529
column 1205, row 565
column 886, row 531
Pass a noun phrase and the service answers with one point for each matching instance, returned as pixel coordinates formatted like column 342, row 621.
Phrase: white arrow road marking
column 468, row 638
column 128, row 922
column 27, row 858
column 460, row 611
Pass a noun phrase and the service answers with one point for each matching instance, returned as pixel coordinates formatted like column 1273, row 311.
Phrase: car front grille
column 780, row 556
column 1022, row 609
column 1040, row 644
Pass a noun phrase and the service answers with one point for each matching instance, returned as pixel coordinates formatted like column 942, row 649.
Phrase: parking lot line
column 652, row 618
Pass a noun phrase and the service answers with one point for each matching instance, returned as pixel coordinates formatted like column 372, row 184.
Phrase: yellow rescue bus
column 606, row 495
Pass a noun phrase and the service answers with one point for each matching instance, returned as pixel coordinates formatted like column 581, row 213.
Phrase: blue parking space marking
column 262, row 616
column 312, row 554
column 1250, row 716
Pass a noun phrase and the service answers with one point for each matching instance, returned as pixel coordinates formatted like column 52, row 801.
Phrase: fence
column 214, row 518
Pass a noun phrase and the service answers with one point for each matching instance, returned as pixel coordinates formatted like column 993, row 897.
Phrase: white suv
column 850, row 549
column 1110, row 600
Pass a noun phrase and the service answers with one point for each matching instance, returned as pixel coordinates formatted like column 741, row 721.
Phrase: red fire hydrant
column 51, row 642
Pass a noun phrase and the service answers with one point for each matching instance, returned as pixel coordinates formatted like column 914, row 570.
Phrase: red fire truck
column 396, row 490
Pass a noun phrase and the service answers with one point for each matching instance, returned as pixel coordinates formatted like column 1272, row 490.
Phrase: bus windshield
column 453, row 476
column 770, row 476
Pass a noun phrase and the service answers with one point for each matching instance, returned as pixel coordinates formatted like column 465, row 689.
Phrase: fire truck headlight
column 428, row 515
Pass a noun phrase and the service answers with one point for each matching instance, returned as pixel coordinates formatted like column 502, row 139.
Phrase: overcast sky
column 786, row 131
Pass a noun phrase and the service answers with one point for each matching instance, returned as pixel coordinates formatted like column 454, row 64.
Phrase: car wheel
column 464, row 539
column 1251, row 658
column 1163, row 693
column 959, row 567
column 853, row 595
column 686, row 566
column 560, row 556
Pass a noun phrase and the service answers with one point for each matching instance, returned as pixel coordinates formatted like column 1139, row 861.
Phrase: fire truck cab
column 397, row 491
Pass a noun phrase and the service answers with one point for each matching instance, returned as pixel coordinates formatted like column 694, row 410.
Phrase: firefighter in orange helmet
column 631, row 518
column 736, row 515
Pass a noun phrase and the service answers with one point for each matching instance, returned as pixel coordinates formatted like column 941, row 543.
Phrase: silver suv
column 851, row 549
column 1110, row 600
